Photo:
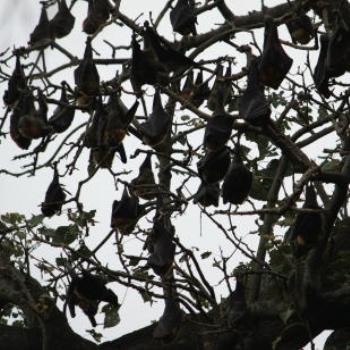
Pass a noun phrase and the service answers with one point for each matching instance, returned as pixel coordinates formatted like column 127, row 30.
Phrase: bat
column 158, row 124
column 54, row 197
column 274, row 63
column 237, row 182
column 63, row 115
column 63, row 21
column 16, row 84
column 253, row 106
column 207, row 195
column 214, row 165
column 144, row 185
column 182, row 17
column 125, row 213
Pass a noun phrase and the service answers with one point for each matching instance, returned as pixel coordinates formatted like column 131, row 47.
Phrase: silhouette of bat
column 182, row 17
column 63, row 22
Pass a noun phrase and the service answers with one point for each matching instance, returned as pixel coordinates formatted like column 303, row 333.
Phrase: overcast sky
column 24, row 195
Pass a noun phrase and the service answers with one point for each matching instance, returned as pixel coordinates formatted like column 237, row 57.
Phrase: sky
column 24, row 194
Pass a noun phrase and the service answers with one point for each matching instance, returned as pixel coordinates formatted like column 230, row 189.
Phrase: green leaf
column 111, row 315
column 65, row 234
column 36, row 220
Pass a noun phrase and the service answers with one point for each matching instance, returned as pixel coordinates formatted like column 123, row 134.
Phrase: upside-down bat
column 169, row 322
column 24, row 104
column 274, row 63
column 54, row 197
column 300, row 29
column 237, row 182
column 221, row 91
column 41, row 34
column 118, row 120
column 253, row 106
column 321, row 74
column 207, row 195
column 214, row 165
column 338, row 53
column 144, row 185
column 86, row 77
column 217, row 131
column 63, row 22
column 161, row 246
column 188, row 88
column 145, row 67
column 16, row 84
column 125, row 213
column 63, row 115
column 307, row 227
column 87, row 292
column 237, row 303
column 158, row 124
column 98, row 14
column 201, row 91
column 182, row 17
column 33, row 122
column 165, row 53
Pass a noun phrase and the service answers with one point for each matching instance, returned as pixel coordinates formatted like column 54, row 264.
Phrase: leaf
column 65, row 234
column 260, row 188
column 36, row 220
column 111, row 315
column 205, row 255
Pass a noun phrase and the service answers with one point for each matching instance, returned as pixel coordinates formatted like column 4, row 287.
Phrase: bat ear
column 274, row 63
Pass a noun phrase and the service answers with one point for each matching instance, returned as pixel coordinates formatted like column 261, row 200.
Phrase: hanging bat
column 338, row 53
column 20, row 109
column 87, row 292
column 274, row 63
column 213, row 167
column 63, row 115
column 237, row 304
column 237, row 182
column 54, row 197
column 161, row 247
column 182, row 17
column 307, row 226
column 125, row 213
column 98, row 14
column 41, row 34
column 118, row 120
column 171, row 58
column 221, row 91
column 253, row 106
column 201, row 92
column 63, row 22
column 16, row 84
column 144, row 185
column 300, row 29
column 158, row 124
column 188, row 87
column 86, row 77
column 321, row 74
column 217, row 131
column 145, row 67
column 33, row 123
column 207, row 195
column 169, row 322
